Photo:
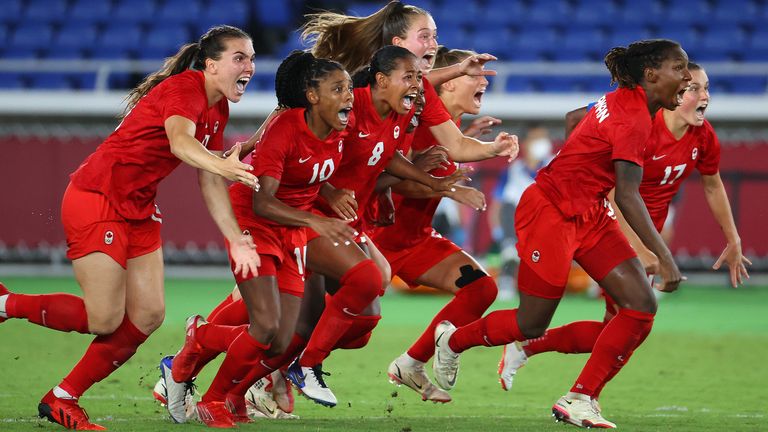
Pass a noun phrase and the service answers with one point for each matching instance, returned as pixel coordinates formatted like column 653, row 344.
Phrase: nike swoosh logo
column 346, row 311
column 658, row 157
column 568, row 401
column 362, row 135
column 437, row 341
column 234, row 381
column 266, row 366
column 302, row 160
column 115, row 363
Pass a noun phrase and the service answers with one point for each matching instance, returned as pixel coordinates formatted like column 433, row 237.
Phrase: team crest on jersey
column 397, row 132
column 341, row 145
column 695, row 153
column 109, row 237
column 216, row 126
column 535, row 256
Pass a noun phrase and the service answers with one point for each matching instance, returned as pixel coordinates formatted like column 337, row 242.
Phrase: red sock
column 496, row 328
column 359, row 333
column 63, row 312
column 470, row 303
column 625, row 332
column 267, row 365
column 104, row 356
column 244, row 353
column 574, row 338
column 359, row 286
column 224, row 303
column 218, row 338
column 613, row 373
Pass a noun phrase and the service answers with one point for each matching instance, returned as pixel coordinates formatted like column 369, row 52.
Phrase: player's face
column 401, row 86
column 421, row 40
column 672, row 79
column 696, row 99
column 334, row 99
column 233, row 70
column 469, row 92
column 419, row 107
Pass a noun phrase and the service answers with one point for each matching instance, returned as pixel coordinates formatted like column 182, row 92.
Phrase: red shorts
column 548, row 242
column 92, row 225
column 410, row 263
column 283, row 252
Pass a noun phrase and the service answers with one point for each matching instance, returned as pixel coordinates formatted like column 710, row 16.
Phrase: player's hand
column 474, row 65
column 243, row 253
column 737, row 263
column 245, row 149
column 386, row 214
column 649, row 260
column 343, row 203
column 447, row 183
column 337, row 230
column 506, row 145
column 233, row 170
column 670, row 276
column 470, row 197
column 434, row 157
column 481, row 126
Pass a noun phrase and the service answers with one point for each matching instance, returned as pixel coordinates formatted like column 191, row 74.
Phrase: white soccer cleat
column 309, row 381
column 159, row 392
column 178, row 395
column 445, row 365
column 580, row 411
column 410, row 373
column 512, row 359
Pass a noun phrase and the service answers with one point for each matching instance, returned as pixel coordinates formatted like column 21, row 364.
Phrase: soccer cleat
column 580, row 412
column 159, row 392
column 185, row 361
column 215, row 414
column 236, row 406
column 445, row 365
column 65, row 412
column 282, row 391
column 259, row 399
column 178, row 395
column 3, row 311
column 309, row 381
column 512, row 359
column 402, row 372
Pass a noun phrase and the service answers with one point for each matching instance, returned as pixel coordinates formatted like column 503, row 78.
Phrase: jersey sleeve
column 628, row 138
column 272, row 150
column 709, row 162
column 434, row 112
column 184, row 97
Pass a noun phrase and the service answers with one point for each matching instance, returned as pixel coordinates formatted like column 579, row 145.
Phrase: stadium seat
column 490, row 40
column 274, row 14
column 597, row 84
column 49, row 81
column 519, row 84
column 14, row 52
column 623, row 34
column 647, row 13
column 83, row 80
column 32, row 35
column 134, row 11
column 592, row 12
column 11, row 11
column 557, row 84
column 80, row 35
column 362, row 9
column 548, row 12
column 735, row 12
column 292, row 43
column 95, row 11
column 180, row 11
column 686, row 36
column 452, row 37
column 162, row 41
column 536, row 41
column 11, row 81
column 121, row 36
column 742, row 84
column 591, row 42
column 45, row 10
column 64, row 53
column 688, row 12
column 3, row 34
column 489, row 15
column 237, row 13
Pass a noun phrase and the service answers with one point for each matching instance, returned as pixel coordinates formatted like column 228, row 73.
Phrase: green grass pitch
column 703, row 368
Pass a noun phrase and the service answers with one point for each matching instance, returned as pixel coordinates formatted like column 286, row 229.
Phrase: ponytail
column 627, row 64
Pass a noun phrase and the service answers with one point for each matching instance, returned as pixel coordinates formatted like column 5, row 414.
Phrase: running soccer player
column 684, row 141
column 565, row 215
column 175, row 115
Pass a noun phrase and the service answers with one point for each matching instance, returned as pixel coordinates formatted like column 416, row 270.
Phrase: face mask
column 540, row 149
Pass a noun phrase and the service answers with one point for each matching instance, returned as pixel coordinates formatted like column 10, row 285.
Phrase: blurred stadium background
column 65, row 66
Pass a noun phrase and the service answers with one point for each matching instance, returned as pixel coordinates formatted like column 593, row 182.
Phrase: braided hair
column 627, row 64
column 385, row 60
column 299, row 72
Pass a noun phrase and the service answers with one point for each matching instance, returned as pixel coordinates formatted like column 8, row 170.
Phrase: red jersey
column 413, row 216
column 130, row 163
column 582, row 173
column 371, row 144
column 291, row 153
column 669, row 161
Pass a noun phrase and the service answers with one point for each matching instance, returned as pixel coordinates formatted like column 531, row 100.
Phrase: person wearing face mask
column 565, row 216
column 537, row 152
column 684, row 141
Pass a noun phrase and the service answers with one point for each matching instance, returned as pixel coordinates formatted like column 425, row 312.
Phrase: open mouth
column 408, row 100
column 700, row 112
column 679, row 96
column 241, row 83
column 478, row 97
column 344, row 115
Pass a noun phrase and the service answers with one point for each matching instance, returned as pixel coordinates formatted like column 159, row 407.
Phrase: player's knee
column 279, row 344
column 264, row 327
column 104, row 324
column 647, row 304
column 533, row 331
column 386, row 275
column 366, row 278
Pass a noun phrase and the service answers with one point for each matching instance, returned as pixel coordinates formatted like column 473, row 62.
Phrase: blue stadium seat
column 453, row 16
column 236, row 13
column 11, row 11
column 292, row 43
column 262, row 82
column 16, row 52
column 46, row 10
column 134, row 11
column 519, row 84
column 452, row 37
column 11, row 81
column 79, row 35
column 722, row 43
column 687, row 37
column 591, row 12
column 755, row 55
column 557, row 84
column 758, row 39
column 740, row 84
column 597, row 84
column 500, row 13
column 536, row 41
column 735, row 12
column 3, row 34
column 427, row 5
column 122, row 80
column 32, row 35
column 64, row 53
column 180, row 11
column 83, row 80
column 584, row 39
column 50, row 81
column 688, row 12
column 163, row 40
column 362, row 9
column 275, row 14
column 111, row 53
column 548, row 12
column 645, row 13
column 95, row 11
column 491, row 40
column 118, row 42
column 624, row 34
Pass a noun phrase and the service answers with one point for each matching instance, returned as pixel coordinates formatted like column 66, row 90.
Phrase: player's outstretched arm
column 572, row 119
column 628, row 199
column 462, row 148
column 717, row 199
column 473, row 66
column 401, row 167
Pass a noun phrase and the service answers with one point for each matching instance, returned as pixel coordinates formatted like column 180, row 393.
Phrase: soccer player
column 111, row 221
column 421, row 256
column 683, row 141
column 298, row 153
column 565, row 215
